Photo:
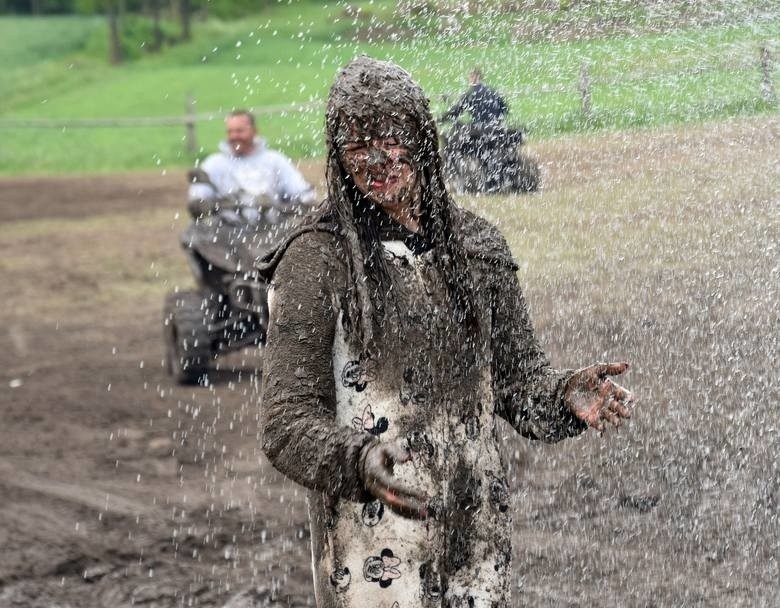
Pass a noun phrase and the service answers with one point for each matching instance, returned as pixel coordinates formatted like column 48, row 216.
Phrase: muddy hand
column 595, row 399
column 376, row 468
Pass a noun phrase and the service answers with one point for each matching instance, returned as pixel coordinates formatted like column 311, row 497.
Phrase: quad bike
column 228, row 310
column 487, row 159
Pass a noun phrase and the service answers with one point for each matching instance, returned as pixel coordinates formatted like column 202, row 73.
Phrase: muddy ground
column 118, row 488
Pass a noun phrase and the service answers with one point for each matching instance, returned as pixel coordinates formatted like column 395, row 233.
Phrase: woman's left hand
column 595, row 399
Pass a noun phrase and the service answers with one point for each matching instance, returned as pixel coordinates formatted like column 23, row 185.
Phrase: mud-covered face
column 381, row 167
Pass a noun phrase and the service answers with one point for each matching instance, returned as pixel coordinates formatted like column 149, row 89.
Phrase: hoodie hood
column 381, row 98
column 227, row 149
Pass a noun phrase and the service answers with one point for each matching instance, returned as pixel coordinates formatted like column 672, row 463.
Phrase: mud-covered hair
column 372, row 94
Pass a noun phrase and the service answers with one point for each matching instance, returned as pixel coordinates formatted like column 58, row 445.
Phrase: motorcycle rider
column 486, row 106
column 484, row 135
column 242, row 200
column 245, row 172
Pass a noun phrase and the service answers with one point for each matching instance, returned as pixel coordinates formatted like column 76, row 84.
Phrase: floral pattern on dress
column 420, row 447
column 415, row 389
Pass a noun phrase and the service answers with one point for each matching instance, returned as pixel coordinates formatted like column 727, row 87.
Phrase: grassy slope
column 37, row 55
column 291, row 53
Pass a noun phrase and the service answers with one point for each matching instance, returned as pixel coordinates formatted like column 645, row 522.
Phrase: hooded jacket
column 426, row 363
column 484, row 104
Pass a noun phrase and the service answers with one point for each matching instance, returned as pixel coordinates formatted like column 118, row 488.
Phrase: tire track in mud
column 111, row 494
column 76, row 494
column 124, row 551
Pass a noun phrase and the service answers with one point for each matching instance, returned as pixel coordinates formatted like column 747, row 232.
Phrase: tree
column 114, row 41
column 185, row 12
column 157, row 35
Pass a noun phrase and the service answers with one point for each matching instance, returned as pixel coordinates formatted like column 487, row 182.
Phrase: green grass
column 291, row 53
column 43, row 54
column 25, row 41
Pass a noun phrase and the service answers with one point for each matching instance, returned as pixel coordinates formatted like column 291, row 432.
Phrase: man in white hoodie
column 246, row 172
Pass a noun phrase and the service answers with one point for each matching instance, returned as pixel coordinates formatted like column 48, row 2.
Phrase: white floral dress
column 433, row 389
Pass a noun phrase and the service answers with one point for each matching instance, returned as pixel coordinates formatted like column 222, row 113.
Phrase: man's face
column 240, row 134
column 382, row 169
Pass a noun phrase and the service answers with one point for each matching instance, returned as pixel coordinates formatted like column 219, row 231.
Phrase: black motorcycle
column 228, row 310
column 487, row 159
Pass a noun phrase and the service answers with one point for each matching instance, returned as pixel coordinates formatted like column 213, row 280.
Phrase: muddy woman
column 398, row 337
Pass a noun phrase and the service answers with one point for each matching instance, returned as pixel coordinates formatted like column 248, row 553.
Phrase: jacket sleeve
column 290, row 182
column 300, row 434
column 502, row 107
column 203, row 198
column 459, row 108
column 527, row 391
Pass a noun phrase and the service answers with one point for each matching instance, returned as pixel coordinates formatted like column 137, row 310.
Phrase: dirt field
column 119, row 489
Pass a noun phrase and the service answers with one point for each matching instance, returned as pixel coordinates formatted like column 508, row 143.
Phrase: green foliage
column 45, row 7
column 136, row 36
column 26, row 41
column 92, row 7
column 43, row 56
column 233, row 9
column 289, row 54
column 89, row 7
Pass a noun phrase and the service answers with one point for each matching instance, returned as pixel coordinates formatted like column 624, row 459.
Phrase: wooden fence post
column 189, row 126
column 767, row 83
column 584, row 87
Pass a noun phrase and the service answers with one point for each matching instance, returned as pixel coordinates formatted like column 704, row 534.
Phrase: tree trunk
column 184, row 15
column 114, row 43
column 35, row 7
column 157, row 35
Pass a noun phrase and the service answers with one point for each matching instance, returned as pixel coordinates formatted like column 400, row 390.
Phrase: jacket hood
column 227, row 149
column 380, row 98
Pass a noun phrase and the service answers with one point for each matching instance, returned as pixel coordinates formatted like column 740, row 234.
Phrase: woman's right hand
column 377, row 460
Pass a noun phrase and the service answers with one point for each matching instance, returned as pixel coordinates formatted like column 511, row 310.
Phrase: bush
column 232, row 9
column 137, row 37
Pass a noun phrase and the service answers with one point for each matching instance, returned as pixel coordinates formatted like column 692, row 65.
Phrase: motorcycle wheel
column 188, row 348
column 526, row 174
column 468, row 176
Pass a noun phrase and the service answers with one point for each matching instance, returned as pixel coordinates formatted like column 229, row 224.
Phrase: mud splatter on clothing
column 433, row 386
column 380, row 335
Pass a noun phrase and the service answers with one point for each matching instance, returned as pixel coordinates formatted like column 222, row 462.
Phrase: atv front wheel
column 188, row 349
